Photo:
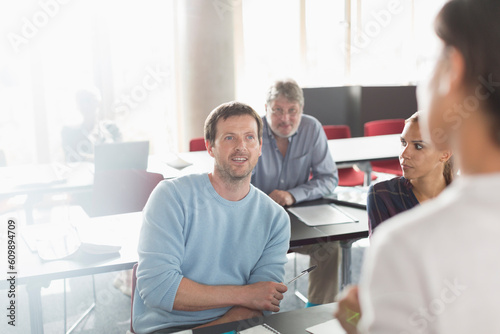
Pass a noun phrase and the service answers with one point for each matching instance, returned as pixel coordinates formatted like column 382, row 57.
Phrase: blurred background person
column 78, row 141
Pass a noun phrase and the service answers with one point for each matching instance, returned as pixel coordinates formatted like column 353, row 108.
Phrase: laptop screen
column 126, row 155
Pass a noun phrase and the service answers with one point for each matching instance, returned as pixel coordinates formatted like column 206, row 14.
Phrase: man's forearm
column 236, row 313
column 261, row 296
column 192, row 296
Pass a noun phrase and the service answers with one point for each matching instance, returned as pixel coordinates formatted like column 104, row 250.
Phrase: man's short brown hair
column 226, row 110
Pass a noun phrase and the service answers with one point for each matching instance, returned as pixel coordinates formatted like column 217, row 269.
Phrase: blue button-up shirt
column 307, row 153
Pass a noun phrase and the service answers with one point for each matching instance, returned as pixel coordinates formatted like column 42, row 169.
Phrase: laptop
column 125, row 155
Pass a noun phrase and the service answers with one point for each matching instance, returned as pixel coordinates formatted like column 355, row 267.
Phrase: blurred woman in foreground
column 434, row 269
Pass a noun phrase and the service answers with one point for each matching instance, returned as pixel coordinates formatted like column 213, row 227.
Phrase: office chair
column 197, row 144
column 134, row 282
column 348, row 177
column 122, row 191
column 385, row 127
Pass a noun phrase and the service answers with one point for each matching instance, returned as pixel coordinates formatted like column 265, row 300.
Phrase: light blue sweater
column 190, row 231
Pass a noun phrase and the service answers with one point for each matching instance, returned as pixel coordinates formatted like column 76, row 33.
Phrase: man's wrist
column 239, row 293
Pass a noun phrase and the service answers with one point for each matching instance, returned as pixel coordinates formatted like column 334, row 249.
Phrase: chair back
column 197, row 144
column 337, row 131
column 384, row 127
column 122, row 191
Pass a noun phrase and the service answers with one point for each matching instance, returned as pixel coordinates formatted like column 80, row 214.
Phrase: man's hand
column 282, row 197
column 263, row 296
column 349, row 311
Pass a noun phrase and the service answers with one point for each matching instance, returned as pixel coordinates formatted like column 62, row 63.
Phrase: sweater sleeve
column 161, row 248
column 271, row 265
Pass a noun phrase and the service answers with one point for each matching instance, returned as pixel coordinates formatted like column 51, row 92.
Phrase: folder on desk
column 323, row 214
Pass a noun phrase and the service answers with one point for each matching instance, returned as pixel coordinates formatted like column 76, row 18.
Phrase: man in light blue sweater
column 212, row 247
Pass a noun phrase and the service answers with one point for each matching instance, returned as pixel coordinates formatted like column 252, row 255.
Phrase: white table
column 346, row 151
column 362, row 150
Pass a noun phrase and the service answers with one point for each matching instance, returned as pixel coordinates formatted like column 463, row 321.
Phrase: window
column 53, row 49
column 351, row 42
column 127, row 49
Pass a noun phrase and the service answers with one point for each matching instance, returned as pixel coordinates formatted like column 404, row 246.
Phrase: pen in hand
column 307, row 271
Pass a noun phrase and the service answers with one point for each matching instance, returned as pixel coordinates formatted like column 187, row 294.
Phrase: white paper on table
column 323, row 214
column 260, row 329
column 328, row 327
column 179, row 163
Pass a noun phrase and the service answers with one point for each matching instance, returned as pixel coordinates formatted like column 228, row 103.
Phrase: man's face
column 236, row 148
column 283, row 116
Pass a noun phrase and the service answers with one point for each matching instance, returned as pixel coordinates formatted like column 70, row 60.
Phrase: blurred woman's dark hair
column 473, row 28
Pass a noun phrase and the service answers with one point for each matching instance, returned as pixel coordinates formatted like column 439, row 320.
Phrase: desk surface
column 123, row 230
column 306, row 235
column 47, row 178
column 292, row 322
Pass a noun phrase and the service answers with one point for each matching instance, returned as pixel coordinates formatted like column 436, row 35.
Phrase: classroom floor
column 112, row 312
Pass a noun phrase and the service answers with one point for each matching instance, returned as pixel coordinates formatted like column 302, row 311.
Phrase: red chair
column 348, row 177
column 385, row 127
column 197, row 144
column 134, row 282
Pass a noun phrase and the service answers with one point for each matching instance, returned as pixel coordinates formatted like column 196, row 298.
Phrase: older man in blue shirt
column 295, row 166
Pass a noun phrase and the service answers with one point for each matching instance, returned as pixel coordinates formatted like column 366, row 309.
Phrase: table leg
column 346, row 262
column 366, row 167
column 368, row 178
column 35, row 304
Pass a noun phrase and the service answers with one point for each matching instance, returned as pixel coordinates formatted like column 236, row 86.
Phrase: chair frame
column 134, row 283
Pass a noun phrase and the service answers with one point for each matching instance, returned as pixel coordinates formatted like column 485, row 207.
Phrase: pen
column 308, row 270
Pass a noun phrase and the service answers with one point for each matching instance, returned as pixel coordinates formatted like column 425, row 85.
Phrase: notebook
column 125, row 155
column 260, row 329
column 324, row 214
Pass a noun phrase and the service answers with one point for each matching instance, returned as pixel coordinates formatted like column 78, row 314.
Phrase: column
column 205, row 60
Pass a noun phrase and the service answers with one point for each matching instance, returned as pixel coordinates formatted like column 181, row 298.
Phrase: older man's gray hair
column 287, row 88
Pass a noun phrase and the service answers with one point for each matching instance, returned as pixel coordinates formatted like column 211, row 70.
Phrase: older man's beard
column 287, row 135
